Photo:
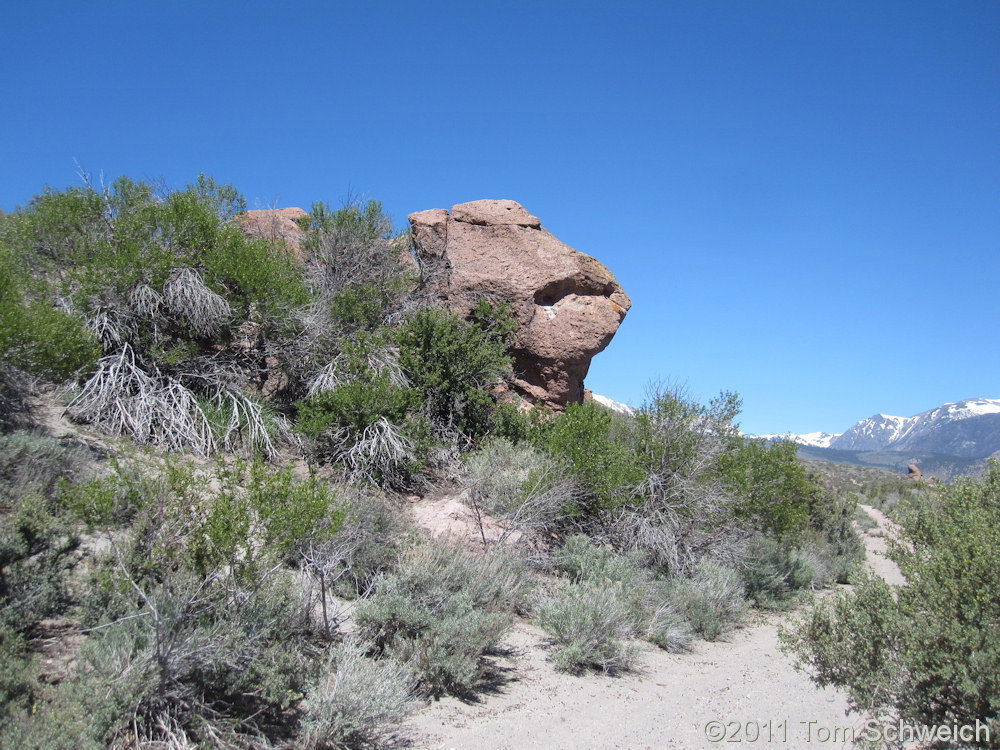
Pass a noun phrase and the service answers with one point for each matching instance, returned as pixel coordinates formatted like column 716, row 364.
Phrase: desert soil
column 742, row 692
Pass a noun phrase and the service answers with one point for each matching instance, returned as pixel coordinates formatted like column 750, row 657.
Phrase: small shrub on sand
column 355, row 699
column 441, row 611
column 712, row 600
column 591, row 625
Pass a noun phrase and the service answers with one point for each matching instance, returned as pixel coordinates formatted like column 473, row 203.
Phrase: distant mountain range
column 969, row 428
column 951, row 439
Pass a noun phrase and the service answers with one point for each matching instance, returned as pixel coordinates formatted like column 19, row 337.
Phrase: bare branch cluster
column 123, row 399
column 188, row 298
column 380, row 451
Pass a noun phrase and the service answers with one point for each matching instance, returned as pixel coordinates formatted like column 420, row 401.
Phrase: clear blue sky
column 801, row 197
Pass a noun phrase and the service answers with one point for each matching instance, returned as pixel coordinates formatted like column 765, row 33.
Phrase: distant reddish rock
column 276, row 224
column 566, row 304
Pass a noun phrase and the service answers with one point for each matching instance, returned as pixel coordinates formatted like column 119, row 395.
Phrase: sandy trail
column 668, row 703
column 746, row 683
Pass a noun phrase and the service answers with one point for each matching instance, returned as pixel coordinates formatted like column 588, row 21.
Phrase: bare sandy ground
column 744, row 692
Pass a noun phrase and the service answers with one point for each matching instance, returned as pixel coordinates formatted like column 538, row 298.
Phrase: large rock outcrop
column 276, row 224
column 567, row 305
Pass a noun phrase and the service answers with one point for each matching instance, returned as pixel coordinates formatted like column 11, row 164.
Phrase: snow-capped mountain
column 969, row 428
column 812, row 439
column 617, row 406
column 875, row 433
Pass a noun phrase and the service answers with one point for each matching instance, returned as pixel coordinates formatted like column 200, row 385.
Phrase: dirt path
column 747, row 684
column 877, row 545
column 667, row 704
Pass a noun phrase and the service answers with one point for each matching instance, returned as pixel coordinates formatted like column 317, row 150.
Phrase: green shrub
column 927, row 653
column 197, row 627
column 351, row 246
column 831, row 534
column 35, row 338
column 184, row 305
column 594, row 442
column 774, row 491
column 441, row 611
column 260, row 515
column 775, row 572
column 453, row 363
column 635, row 601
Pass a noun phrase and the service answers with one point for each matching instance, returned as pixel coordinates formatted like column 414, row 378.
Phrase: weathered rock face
column 567, row 305
column 276, row 224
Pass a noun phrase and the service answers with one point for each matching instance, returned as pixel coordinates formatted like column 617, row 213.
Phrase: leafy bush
column 681, row 511
column 774, row 490
column 198, row 628
column 186, row 652
column 184, row 305
column 832, row 536
column 37, row 534
column 32, row 463
column 775, row 572
column 351, row 247
column 441, row 611
column 453, row 363
column 259, row 516
column 594, row 442
column 927, row 653
column 36, row 339
column 369, row 425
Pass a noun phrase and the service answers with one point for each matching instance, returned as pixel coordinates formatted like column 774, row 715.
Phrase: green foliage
column 356, row 405
column 509, row 422
column 167, row 283
column 34, row 336
column 453, row 363
column 595, row 443
column 353, row 247
column 364, row 306
column 677, row 437
column 364, row 222
column 260, row 515
column 774, row 490
column 775, row 572
column 198, row 627
column 131, row 234
column 929, row 652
